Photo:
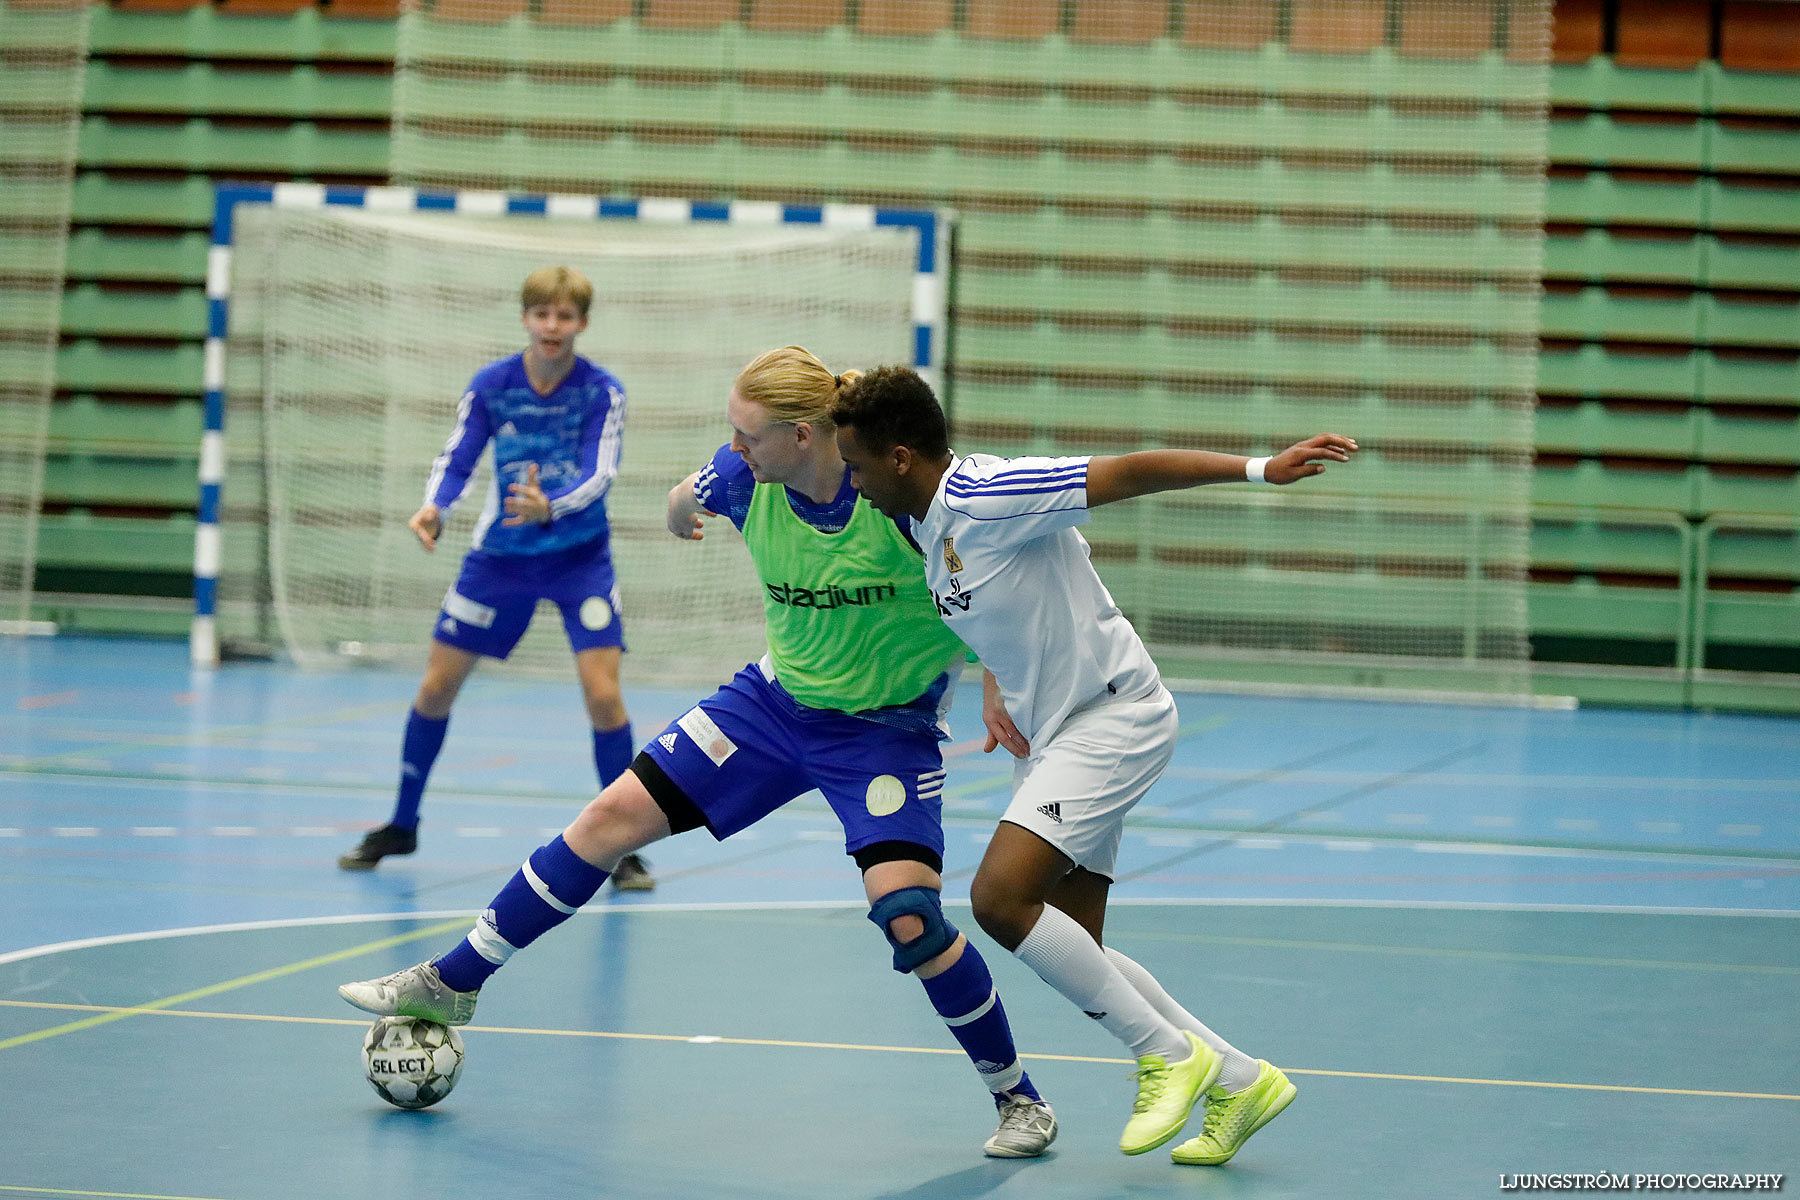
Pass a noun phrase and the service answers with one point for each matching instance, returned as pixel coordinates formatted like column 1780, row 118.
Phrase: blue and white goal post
column 906, row 241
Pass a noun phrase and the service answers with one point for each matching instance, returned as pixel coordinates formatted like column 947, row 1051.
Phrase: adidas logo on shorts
column 668, row 741
column 1053, row 810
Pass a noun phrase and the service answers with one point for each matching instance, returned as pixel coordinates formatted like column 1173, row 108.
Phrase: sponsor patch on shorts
column 885, row 796
column 596, row 613
column 468, row 611
column 713, row 743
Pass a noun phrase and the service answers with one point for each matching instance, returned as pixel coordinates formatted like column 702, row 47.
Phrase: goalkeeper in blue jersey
column 555, row 420
column 849, row 699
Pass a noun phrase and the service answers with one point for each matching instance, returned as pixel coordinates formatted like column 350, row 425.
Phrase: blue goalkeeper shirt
column 573, row 435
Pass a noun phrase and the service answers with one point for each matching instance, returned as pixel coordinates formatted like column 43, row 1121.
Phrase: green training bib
column 850, row 621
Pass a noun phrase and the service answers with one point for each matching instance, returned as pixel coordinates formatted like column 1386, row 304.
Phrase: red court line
column 48, row 700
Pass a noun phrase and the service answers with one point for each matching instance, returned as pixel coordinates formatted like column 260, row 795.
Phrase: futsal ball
column 412, row 1063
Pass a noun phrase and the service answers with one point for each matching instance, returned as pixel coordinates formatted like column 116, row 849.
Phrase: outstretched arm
column 1123, row 476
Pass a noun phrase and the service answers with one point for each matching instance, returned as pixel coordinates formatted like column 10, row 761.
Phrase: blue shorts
column 491, row 603
column 749, row 748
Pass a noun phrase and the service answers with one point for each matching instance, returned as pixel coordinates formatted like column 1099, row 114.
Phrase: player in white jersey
column 1074, row 696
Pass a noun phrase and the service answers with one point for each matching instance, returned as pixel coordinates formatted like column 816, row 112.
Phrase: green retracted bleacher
column 1668, row 444
column 177, row 96
column 1670, row 381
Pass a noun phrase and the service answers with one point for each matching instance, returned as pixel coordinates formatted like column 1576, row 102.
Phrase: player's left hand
column 527, row 503
column 1309, row 457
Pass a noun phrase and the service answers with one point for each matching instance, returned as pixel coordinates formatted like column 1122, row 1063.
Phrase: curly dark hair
column 892, row 406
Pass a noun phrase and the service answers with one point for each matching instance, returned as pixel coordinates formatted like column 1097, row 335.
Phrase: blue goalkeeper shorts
column 750, row 748
column 489, row 607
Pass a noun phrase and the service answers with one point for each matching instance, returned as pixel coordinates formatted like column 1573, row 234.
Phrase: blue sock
column 967, row 1000
column 418, row 750
column 612, row 753
column 541, row 895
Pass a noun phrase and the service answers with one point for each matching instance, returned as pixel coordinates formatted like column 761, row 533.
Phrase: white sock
column 1069, row 960
column 1239, row 1069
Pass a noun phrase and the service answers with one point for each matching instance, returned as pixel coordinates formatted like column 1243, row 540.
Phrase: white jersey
column 1012, row 579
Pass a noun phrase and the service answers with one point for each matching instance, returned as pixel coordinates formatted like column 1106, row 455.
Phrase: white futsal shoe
column 414, row 992
column 1027, row 1127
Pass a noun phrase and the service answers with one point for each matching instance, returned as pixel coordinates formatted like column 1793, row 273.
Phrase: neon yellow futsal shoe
column 1232, row 1118
column 1166, row 1095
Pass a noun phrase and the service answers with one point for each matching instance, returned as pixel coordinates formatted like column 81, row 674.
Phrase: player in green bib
column 849, row 699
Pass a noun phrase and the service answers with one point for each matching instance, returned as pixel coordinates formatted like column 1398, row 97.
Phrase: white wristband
column 1253, row 470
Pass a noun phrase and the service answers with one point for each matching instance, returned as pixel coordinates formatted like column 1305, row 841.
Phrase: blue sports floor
column 1483, row 942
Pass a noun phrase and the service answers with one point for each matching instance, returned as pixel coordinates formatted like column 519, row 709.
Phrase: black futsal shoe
column 632, row 875
column 377, row 844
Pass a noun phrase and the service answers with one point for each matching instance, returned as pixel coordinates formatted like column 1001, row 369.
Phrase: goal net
column 353, row 331
column 1226, row 224
column 43, row 55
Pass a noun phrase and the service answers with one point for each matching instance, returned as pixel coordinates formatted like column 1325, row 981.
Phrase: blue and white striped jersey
column 573, row 435
column 725, row 485
column 1012, row 579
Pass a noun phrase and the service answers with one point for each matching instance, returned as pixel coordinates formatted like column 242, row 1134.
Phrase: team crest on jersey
column 950, row 559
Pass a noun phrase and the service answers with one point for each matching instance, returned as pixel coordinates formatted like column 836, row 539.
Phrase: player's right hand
column 1000, row 728
column 686, row 525
column 426, row 524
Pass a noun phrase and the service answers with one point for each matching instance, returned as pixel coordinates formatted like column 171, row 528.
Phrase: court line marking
column 47, row 700
column 607, row 908
column 1561, row 960
column 1492, row 779
column 1656, row 910
column 786, row 1044
column 1230, row 836
column 983, row 785
column 1284, row 821
column 211, row 735
column 232, row 984
column 1751, row 787
column 1537, row 1083
column 234, row 783
column 49, row 1191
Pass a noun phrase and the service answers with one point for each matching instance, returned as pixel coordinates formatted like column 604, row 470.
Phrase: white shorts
column 1075, row 791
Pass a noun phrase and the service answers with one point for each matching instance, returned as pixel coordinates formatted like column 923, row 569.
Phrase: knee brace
column 925, row 904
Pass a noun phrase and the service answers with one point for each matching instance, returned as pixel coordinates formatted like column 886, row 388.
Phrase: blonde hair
column 547, row 285
column 793, row 385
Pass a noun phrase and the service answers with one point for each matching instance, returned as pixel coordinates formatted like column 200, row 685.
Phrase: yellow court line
column 38, row 1191
column 610, row 1034
column 1541, row 1083
column 616, row 1035
column 119, row 1014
